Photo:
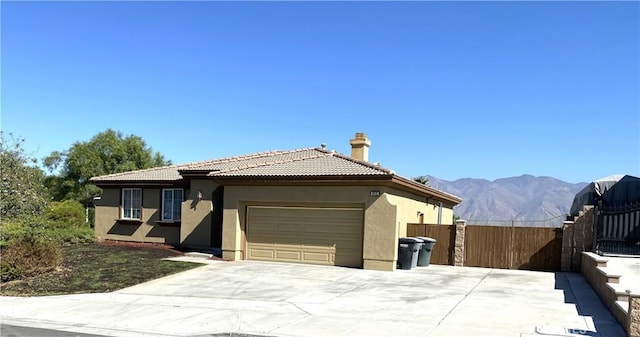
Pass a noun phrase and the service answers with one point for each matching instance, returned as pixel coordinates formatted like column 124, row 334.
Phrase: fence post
column 511, row 246
column 458, row 250
column 568, row 249
column 633, row 315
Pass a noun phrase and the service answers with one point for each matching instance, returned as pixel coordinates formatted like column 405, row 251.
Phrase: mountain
column 526, row 200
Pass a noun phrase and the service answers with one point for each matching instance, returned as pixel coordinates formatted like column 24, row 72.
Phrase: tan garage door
column 331, row 236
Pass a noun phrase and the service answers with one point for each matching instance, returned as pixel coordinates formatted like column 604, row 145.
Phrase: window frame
column 122, row 203
column 162, row 208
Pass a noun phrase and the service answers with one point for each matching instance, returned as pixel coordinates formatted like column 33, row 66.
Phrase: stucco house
column 308, row 205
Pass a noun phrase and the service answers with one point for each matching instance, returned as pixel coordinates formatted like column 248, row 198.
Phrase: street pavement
column 279, row 299
column 19, row 331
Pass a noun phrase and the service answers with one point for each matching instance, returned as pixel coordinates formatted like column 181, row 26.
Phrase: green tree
column 22, row 192
column 422, row 179
column 107, row 152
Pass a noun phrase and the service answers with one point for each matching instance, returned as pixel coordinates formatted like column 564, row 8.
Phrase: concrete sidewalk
column 629, row 268
column 280, row 299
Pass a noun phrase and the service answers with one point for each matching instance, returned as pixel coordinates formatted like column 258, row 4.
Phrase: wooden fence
column 445, row 240
column 532, row 248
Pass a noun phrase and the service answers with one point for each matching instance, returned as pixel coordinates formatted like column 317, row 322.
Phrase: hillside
column 526, row 199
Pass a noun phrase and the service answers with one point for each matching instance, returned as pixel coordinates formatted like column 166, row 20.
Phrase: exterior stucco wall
column 410, row 207
column 407, row 210
column 447, row 214
column 108, row 227
column 380, row 223
column 195, row 229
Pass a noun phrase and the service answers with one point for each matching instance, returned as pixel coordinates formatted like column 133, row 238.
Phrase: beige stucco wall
column 409, row 205
column 108, row 211
column 382, row 218
column 196, row 214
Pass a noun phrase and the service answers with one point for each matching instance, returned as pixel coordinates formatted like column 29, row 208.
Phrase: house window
column 172, row 204
column 131, row 203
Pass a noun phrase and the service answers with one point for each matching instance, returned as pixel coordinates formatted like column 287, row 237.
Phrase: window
column 172, row 204
column 131, row 203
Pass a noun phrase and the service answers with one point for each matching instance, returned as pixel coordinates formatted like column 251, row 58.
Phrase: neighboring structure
column 615, row 220
column 308, row 205
column 613, row 191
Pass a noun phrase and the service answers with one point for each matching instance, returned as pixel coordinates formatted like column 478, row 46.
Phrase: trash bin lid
column 426, row 239
column 410, row 240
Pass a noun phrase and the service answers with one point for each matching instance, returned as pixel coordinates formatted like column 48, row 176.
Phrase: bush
column 66, row 213
column 31, row 246
column 39, row 227
column 8, row 272
column 9, row 230
column 70, row 235
column 27, row 256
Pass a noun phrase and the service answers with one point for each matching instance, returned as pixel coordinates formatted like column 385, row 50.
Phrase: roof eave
column 290, row 178
column 112, row 183
column 425, row 190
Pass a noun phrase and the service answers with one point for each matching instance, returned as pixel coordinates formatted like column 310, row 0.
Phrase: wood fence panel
column 416, row 229
column 537, row 248
column 487, row 246
column 445, row 240
column 533, row 248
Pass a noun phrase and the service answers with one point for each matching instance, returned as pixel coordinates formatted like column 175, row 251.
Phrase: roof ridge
column 247, row 156
column 274, row 162
column 196, row 164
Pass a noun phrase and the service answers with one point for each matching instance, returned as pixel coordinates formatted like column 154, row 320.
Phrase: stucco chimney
column 360, row 147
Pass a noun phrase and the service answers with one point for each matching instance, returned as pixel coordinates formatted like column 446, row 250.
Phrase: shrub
column 9, row 230
column 31, row 246
column 71, row 235
column 8, row 272
column 29, row 255
column 39, row 227
column 66, row 213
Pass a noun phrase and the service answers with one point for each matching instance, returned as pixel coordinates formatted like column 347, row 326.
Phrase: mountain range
column 525, row 200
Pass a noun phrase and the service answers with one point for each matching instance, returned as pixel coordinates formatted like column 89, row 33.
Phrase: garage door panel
column 307, row 235
column 258, row 253
column 291, row 255
column 316, row 257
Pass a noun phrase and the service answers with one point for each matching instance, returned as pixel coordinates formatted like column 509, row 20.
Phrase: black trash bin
column 408, row 249
column 424, row 256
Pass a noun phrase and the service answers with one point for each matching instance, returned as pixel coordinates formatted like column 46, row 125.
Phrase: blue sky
column 449, row 89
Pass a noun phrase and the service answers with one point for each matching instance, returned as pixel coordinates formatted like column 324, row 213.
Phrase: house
column 308, row 205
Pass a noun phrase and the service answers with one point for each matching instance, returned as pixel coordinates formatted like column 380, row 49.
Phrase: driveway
column 280, row 299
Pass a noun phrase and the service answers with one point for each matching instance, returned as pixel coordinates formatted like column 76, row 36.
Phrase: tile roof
column 301, row 163
column 294, row 163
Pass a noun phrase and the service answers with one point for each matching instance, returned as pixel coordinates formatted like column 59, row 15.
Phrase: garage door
column 329, row 236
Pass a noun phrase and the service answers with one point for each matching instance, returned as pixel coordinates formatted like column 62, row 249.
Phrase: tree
column 422, row 179
column 22, row 192
column 107, row 152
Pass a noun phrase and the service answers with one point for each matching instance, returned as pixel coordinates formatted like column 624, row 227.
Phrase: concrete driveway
column 280, row 299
